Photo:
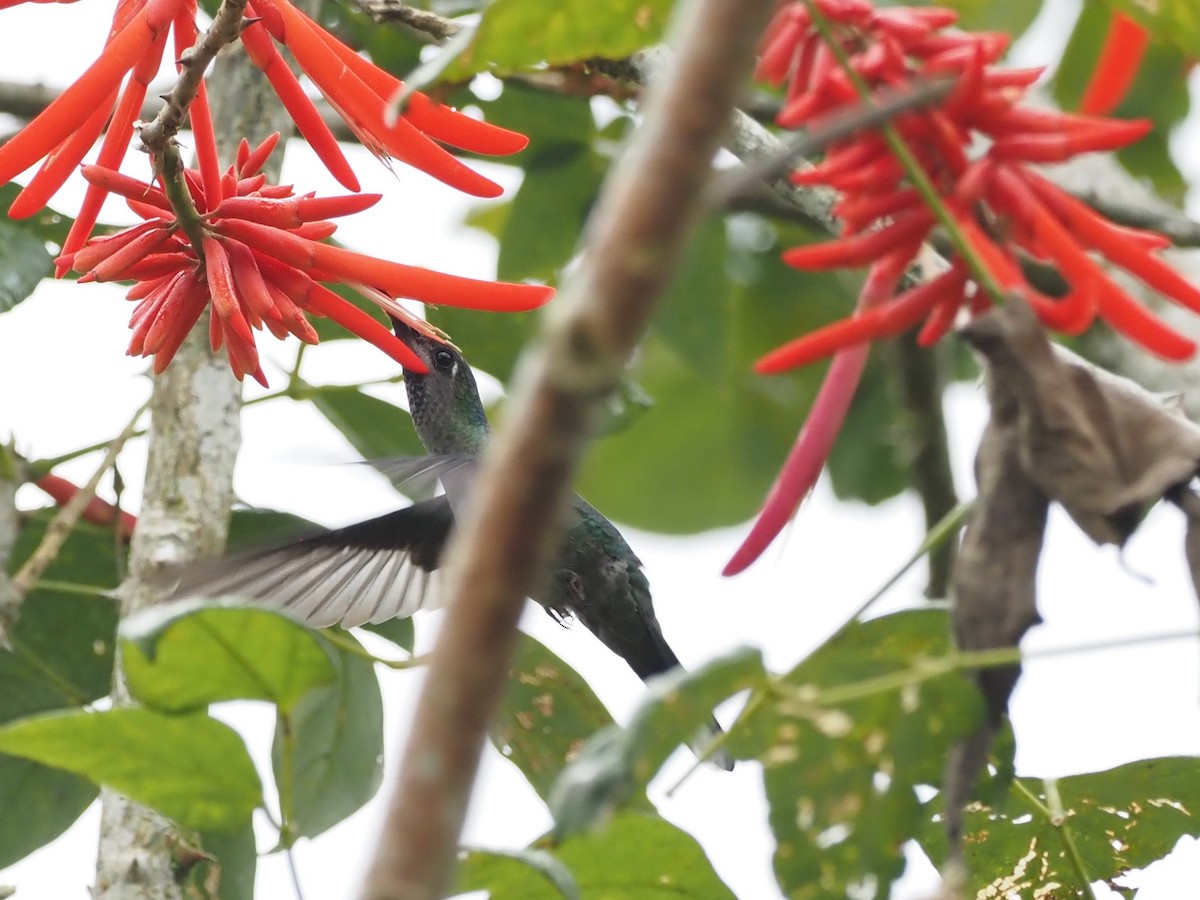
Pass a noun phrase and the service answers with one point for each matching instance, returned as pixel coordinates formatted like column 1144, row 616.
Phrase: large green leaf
column 41, row 802
column 60, row 652
column 24, row 262
column 328, row 753
column 520, row 34
column 191, row 768
column 24, row 259
column 182, row 657
column 616, row 764
column 374, row 427
column 1119, row 819
column 547, row 714
column 634, row 857
column 547, row 215
column 844, row 741
column 706, row 453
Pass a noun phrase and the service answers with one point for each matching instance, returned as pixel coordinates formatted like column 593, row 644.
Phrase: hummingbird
column 382, row 568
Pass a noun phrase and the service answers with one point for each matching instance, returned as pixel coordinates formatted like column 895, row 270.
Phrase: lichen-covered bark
column 194, row 440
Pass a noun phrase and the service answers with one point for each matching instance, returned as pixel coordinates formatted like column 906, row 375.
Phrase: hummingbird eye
column 443, row 359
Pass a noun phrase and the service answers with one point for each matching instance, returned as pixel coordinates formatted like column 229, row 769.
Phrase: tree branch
column 635, row 234
column 194, row 440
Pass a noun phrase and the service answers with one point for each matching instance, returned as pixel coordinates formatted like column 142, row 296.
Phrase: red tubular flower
column 360, row 92
column 1121, row 56
column 259, row 267
column 98, row 511
column 884, row 218
column 64, row 132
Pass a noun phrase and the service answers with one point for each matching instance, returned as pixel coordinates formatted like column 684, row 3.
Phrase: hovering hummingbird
column 380, row 569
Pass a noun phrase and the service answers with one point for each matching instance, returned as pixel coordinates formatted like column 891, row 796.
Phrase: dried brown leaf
column 1100, row 445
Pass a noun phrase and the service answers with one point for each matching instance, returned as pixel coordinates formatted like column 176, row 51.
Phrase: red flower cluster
column 1003, row 209
column 1022, row 213
column 261, row 260
column 359, row 91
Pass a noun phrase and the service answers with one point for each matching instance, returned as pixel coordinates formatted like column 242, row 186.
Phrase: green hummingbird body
column 380, row 569
column 596, row 578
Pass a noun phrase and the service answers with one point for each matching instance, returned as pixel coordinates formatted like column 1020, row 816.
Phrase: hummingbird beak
column 412, row 331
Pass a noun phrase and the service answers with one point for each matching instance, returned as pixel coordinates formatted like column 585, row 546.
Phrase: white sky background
column 68, row 384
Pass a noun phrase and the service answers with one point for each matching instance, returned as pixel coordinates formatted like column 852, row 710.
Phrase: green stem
column 71, row 587
column 287, row 780
column 39, row 467
column 908, row 161
column 1054, row 813
column 757, row 699
column 937, row 535
column 343, row 642
column 298, row 389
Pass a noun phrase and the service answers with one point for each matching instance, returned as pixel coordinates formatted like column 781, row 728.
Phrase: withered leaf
column 1102, row 446
column 994, row 583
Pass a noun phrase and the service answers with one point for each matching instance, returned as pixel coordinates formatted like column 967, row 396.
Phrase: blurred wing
column 369, row 572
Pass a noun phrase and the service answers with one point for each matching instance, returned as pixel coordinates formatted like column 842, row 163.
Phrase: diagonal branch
column 651, row 198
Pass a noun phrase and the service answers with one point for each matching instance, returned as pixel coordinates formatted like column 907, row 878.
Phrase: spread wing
column 368, row 572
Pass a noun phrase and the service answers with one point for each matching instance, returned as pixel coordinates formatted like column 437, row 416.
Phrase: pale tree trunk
column 194, row 440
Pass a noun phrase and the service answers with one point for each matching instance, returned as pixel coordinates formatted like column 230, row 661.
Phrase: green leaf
column 845, row 740
column 516, row 873
column 374, row 427
column 40, row 803
column 634, row 857
column 559, row 187
column 61, row 649
column 547, row 118
column 864, row 464
column 1121, row 819
column 1172, row 22
column 328, row 753
column 734, row 301
column 617, row 763
column 255, row 527
column 190, row 768
column 235, row 865
column 1012, row 17
column 399, row 631
column 520, row 34
column 24, row 262
column 547, row 713
column 48, row 226
column 182, row 657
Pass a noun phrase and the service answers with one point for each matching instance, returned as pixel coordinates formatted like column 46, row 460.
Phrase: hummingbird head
column 444, row 403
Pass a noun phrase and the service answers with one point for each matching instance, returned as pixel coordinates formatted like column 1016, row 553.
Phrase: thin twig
column 636, row 234
column 226, row 27
column 825, row 131
column 437, row 27
column 68, row 515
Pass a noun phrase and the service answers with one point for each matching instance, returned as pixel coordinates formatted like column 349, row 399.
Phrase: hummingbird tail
column 704, row 737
